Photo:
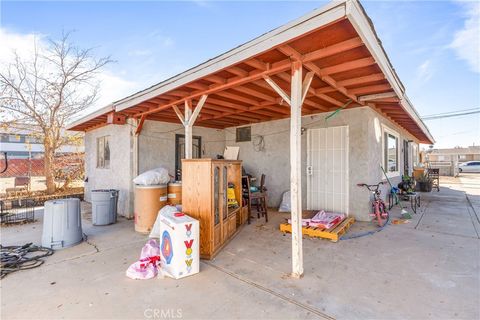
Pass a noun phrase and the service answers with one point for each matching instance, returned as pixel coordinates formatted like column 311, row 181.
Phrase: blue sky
column 433, row 45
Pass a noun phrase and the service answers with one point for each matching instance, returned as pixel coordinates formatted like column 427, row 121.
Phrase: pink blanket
column 323, row 219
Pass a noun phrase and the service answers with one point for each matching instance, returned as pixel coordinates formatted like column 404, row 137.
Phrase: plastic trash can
column 62, row 223
column 104, row 206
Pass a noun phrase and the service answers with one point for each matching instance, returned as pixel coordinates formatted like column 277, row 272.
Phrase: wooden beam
column 377, row 96
column 333, row 49
column 306, row 85
column 255, row 93
column 324, row 52
column 323, row 74
column 238, row 71
column 257, row 64
column 286, row 77
column 188, row 129
column 253, row 75
column 368, row 89
column 140, row 125
column 233, row 96
column 331, row 82
column 360, row 80
column 350, row 65
column 179, row 113
column 198, row 108
column 277, row 89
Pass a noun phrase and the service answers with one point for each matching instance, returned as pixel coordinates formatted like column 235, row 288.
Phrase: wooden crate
column 333, row 234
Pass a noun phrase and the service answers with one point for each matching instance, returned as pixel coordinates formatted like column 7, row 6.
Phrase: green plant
column 424, row 178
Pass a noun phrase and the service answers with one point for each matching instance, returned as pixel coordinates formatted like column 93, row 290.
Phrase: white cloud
column 113, row 88
column 12, row 42
column 112, row 85
column 466, row 42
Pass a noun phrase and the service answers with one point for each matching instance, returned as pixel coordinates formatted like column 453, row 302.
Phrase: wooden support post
column 188, row 120
column 188, row 129
column 299, row 90
column 296, row 98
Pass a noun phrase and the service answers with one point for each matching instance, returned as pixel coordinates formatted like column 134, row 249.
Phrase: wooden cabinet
column 204, row 197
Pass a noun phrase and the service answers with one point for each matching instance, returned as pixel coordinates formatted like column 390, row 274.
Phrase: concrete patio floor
column 427, row 269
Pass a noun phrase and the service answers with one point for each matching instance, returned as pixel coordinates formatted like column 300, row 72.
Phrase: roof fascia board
column 91, row 116
column 361, row 24
column 317, row 18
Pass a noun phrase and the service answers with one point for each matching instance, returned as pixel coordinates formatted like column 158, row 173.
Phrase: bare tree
column 43, row 92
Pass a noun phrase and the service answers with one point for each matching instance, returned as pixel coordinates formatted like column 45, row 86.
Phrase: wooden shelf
column 233, row 210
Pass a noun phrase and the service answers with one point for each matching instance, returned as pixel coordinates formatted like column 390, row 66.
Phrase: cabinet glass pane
column 216, row 195
column 225, row 193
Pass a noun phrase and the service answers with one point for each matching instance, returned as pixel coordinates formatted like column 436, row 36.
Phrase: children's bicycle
column 379, row 209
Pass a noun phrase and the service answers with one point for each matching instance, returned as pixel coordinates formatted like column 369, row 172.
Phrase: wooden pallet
column 333, row 234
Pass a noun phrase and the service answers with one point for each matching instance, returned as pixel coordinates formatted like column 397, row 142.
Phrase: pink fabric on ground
column 148, row 264
column 326, row 219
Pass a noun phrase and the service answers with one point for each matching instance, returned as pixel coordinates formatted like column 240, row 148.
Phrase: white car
column 470, row 166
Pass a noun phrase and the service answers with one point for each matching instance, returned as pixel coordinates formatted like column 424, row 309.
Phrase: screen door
column 327, row 169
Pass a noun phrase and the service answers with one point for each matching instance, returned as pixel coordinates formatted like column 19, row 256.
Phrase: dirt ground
column 426, row 269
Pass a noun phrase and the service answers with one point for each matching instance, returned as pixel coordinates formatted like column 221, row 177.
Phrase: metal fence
column 17, row 211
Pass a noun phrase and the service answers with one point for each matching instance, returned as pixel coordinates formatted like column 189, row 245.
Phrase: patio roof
column 337, row 44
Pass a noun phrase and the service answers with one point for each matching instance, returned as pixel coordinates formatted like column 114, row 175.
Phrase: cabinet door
column 224, row 204
column 217, row 209
column 232, row 224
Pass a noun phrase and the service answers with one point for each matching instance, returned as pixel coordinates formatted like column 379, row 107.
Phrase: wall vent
column 244, row 134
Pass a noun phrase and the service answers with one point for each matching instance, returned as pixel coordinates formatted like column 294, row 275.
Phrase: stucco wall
column 157, row 144
column 365, row 154
column 375, row 131
column 118, row 175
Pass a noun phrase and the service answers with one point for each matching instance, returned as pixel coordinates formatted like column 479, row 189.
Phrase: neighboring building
column 355, row 117
column 25, row 146
column 447, row 160
column 454, row 154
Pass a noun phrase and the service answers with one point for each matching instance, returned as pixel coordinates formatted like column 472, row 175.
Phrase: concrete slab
column 414, row 271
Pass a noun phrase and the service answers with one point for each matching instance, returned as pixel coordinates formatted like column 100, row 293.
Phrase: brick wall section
column 21, row 167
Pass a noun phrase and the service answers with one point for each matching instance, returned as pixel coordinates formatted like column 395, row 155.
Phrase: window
column 416, row 161
column 244, row 134
column 103, row 152
column 463, row 157
column 390, row 152
column 14, row 138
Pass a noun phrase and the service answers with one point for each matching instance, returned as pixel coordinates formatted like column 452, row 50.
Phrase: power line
column 451, row 114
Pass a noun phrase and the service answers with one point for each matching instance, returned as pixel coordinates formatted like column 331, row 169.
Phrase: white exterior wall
column 157, row 147
column 119, row 174
column 365, row 154
column 157, row 144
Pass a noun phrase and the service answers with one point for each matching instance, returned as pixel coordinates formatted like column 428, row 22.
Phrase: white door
column 327, row 169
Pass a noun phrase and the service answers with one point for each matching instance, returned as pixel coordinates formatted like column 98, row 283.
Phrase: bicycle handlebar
column 369, row 186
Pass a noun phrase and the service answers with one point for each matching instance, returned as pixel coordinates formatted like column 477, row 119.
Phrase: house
column 459, row 154
column 24, row 145
column 315, row 104
column 447, row 160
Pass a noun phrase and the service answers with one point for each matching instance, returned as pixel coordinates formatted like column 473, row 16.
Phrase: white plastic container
column 62, row 223
column 179, row 245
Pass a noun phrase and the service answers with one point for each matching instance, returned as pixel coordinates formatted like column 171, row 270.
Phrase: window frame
column 385, row 132
column 415, row 155
column 101, row 161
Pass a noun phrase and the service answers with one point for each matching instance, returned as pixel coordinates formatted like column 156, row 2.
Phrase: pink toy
column 148, row 265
